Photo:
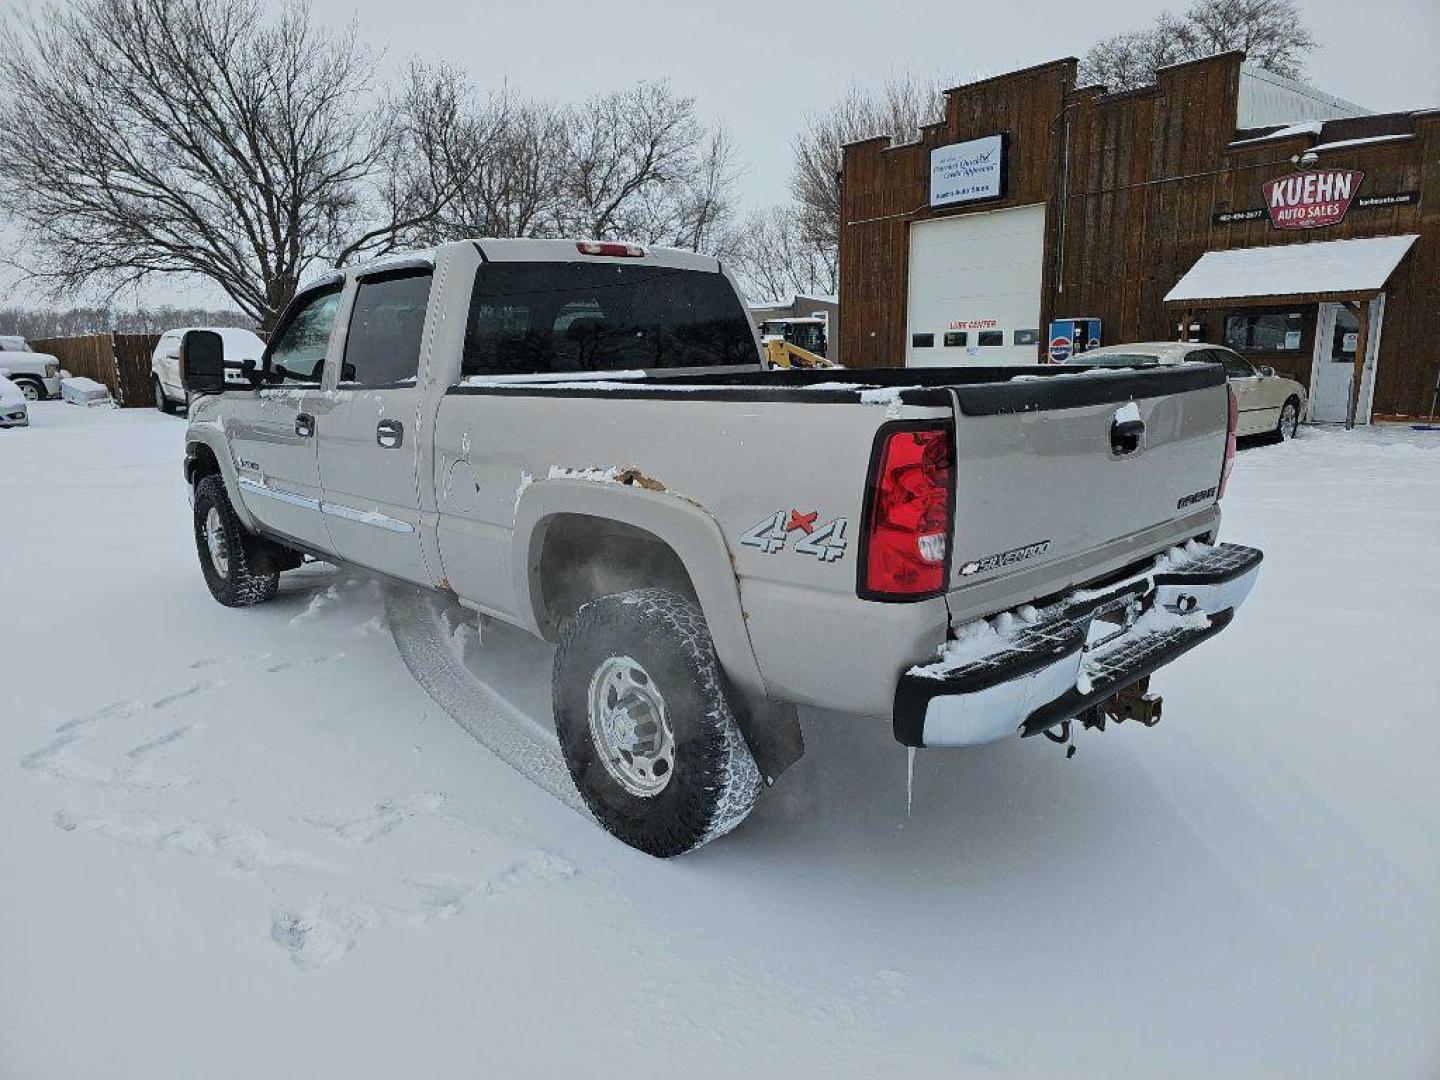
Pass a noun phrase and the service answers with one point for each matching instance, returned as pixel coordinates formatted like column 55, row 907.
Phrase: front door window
column 297, row 352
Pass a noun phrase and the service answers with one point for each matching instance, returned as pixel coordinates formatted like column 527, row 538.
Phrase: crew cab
column 579, row 438
column 36, row 374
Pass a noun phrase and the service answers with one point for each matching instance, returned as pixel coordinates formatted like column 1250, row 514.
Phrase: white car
column 36, row 374
column 240, row 345
column 1269, row 404
column 14, row 408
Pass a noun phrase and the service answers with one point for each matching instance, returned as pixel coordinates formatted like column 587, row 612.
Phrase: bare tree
column 634, row 164
column 1271, row 33
column 898, row 109
column 154, row 137
column 69, row 322
column 640, row 165
column 776, row 257
column 516, row 191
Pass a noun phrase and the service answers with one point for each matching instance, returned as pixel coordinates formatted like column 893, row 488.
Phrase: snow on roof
column 1342, row 144
column 1309, row 127
column 1329, row 266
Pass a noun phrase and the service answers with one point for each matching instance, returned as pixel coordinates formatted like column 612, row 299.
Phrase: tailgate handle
column 1126, row 436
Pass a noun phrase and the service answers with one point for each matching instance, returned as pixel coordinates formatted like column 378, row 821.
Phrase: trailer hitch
column 1135, row 702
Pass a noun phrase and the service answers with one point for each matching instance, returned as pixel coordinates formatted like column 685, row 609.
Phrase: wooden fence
column 119, row 361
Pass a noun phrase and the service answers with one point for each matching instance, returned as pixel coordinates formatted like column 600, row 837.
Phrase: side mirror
column 1267, row 372
column 202, row 362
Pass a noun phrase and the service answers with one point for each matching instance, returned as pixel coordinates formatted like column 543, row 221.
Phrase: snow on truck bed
column 246, row 843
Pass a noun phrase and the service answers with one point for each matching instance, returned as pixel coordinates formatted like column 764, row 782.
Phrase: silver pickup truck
column 579, row 439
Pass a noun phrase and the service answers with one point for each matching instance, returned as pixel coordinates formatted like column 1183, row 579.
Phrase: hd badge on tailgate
column 825, row 542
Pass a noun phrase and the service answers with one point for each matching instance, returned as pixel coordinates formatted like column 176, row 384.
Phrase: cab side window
column 382, row 347
column 298, row 346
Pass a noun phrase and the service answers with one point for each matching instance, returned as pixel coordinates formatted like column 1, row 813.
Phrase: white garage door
column 975, row 288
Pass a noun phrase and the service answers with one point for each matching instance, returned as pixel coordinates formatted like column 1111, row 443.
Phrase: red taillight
column 1232, row 423
column 907, row 532
column 617, row 251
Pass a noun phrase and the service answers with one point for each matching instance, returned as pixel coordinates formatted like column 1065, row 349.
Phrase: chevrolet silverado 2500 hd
column 579, row 438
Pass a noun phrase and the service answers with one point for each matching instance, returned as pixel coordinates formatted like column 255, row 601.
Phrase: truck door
column 372, row 441
column 272, row 430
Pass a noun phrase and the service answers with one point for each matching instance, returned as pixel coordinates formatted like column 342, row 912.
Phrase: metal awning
column 1327, row 270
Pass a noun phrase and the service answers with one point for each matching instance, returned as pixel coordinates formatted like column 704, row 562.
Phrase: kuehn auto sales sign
column 1310, row 200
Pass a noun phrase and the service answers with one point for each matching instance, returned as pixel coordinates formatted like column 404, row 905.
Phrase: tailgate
column 1045, row 470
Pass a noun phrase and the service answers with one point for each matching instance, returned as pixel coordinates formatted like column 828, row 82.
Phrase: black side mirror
column 202, row 362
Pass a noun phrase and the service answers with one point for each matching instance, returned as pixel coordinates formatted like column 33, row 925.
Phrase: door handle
column 304, row 425
column 390, row 434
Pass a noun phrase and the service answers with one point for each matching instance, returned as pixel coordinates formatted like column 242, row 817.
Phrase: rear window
column 529, row 318
column 386, row 323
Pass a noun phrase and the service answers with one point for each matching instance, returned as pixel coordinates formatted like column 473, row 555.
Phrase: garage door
column 975, row 288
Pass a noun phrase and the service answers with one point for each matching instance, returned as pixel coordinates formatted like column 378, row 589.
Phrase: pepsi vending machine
column 1069, row 337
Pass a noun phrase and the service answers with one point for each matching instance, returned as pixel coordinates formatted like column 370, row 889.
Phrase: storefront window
column 922, row 341
column 954, row 339
column 989, row 338
column 1265, row 331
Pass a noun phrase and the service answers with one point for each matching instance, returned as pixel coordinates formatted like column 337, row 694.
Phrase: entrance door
column 370, row 452
column 1337, row 333
column 272, row 431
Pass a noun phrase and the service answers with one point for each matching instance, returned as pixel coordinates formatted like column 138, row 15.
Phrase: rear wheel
column 239, row 567
column 646, row 726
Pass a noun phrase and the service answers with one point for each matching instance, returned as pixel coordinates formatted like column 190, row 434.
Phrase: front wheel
column 33, row 390
column 161, row 401
column 1289, row 424
column 646, row 726
column 237, row 564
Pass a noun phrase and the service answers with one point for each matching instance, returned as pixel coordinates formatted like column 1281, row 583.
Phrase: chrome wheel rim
column 1289, row 421
column 629, row 727
column 30, row 391
column 216, row 542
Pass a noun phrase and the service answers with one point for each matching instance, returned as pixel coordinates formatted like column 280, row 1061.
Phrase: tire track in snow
column 424, row 636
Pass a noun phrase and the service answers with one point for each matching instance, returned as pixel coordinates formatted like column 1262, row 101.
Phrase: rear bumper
column 1026, row 674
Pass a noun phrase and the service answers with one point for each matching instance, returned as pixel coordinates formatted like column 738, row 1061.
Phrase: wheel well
column 200, row 463
column 584, row 557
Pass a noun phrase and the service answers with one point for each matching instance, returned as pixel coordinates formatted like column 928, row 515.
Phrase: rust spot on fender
column 635, row 478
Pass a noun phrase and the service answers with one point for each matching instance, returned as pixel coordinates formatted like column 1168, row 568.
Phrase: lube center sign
column 968, row 171
column 1310, row 200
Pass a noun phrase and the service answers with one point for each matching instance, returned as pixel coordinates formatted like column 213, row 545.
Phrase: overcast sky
column 761, row 66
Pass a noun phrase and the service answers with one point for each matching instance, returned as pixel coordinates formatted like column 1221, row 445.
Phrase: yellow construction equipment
column 780, row 353
column 798, row 342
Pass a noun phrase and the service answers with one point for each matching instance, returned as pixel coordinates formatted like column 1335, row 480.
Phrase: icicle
column 909, row 779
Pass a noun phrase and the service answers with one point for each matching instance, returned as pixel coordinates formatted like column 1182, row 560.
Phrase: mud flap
column 772, row 732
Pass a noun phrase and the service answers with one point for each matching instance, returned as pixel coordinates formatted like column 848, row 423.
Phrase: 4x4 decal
column 825, row 542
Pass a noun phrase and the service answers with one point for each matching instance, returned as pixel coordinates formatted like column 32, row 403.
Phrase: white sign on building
column 968, row 171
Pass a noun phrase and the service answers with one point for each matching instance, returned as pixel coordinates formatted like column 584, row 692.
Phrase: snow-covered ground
column 247, row 843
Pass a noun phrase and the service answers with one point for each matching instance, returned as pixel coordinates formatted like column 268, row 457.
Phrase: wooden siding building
column 1122, row 194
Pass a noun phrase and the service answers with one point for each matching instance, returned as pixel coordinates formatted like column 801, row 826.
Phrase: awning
column 1328, row 270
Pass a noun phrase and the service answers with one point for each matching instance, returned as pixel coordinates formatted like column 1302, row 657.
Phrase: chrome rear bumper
column 1026, row 672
